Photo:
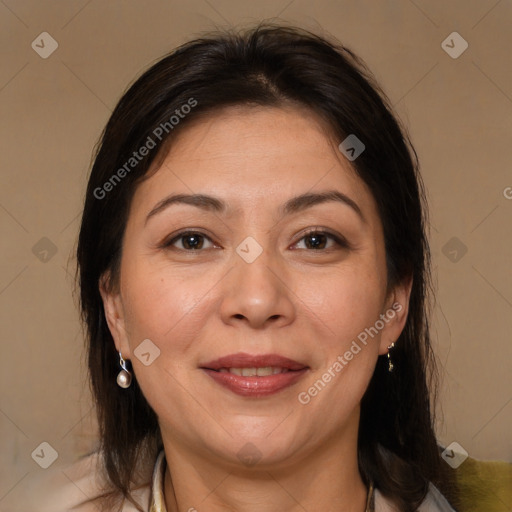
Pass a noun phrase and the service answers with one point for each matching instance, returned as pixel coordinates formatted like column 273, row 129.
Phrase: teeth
column 255, row 372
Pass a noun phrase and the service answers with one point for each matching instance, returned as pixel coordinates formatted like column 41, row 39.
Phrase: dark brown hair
column 271, row 65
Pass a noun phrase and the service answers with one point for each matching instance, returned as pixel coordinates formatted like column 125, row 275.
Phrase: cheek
column 349, row 303
column 170, row 311
column 159, row 304
column 345, row 301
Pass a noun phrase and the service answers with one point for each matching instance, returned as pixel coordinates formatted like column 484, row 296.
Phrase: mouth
column 264, row 371
column 255, row 376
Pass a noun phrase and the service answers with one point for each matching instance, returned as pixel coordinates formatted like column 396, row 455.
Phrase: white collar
column 157, row 487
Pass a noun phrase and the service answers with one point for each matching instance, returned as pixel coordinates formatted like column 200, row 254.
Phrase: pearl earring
column 124, row 377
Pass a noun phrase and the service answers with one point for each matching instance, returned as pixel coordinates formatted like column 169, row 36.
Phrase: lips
column 255, row 376
column 242, row 360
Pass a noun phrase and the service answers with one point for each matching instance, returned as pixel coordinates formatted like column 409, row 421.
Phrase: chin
column 257, row 452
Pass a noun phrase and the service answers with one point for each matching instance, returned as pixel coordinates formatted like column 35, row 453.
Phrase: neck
column 326, row 479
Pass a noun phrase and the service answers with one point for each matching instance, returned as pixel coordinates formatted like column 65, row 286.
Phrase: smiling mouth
column 255, row 382
column 268, row 363
column 255, row 372
column 255, row 376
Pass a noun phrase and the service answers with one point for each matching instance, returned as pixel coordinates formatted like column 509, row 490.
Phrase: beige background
column 459, row 112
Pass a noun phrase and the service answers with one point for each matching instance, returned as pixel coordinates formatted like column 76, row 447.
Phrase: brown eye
column 318, row 240
column 190, row 241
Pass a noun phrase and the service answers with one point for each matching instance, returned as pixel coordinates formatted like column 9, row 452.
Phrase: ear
column 395, row 314
column 114, row 314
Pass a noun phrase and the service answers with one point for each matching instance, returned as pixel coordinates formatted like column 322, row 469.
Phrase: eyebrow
column 293, row 205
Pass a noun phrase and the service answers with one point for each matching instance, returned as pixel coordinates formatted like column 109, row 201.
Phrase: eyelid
column 168, row 241
column 340, row 240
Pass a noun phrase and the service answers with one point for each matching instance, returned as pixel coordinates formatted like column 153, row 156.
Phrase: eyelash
column 339, row 241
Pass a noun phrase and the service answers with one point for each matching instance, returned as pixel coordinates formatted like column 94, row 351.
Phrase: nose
column 258, row 294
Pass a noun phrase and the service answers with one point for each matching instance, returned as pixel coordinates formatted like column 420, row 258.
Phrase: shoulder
column 434, row 502
column 72, row 487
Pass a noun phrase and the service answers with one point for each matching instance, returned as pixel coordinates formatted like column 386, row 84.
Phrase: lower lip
column 256, row 386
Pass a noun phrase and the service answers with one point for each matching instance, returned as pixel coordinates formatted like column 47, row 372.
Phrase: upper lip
column 243, row 360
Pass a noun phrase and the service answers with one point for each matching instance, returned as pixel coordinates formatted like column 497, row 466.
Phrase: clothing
column 67, row 489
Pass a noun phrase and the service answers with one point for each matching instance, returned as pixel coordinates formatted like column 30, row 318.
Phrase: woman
column 253, row 272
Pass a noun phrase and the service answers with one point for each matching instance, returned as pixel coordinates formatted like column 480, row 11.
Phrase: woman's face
column 296, row 285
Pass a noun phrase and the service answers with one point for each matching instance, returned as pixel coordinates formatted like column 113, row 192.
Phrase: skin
column 303, row 303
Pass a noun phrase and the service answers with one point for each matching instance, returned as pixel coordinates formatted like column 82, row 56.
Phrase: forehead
column 255, row 134
column 252, row 157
